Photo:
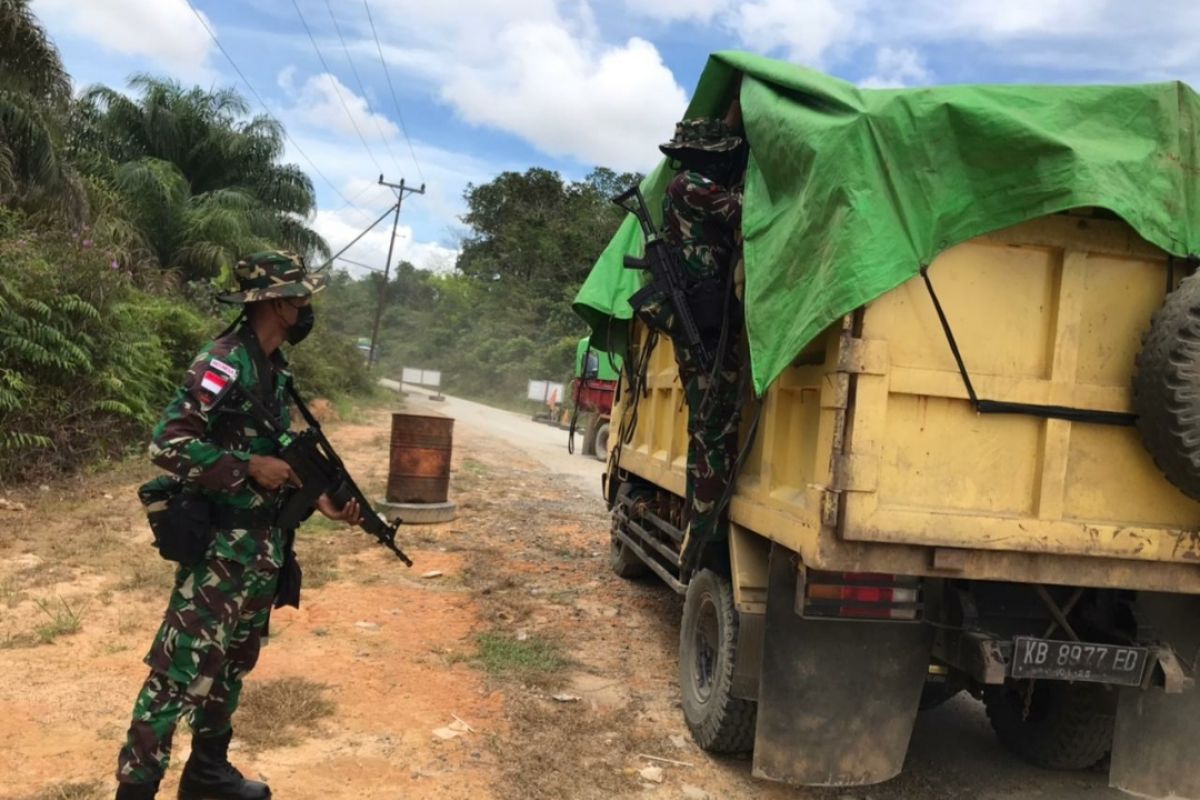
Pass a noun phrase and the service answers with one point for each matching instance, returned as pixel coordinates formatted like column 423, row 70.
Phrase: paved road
column 546, row 443
column 953, row 754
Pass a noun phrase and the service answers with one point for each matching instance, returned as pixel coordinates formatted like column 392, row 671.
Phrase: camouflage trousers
column 714, row 412
column 208, row 641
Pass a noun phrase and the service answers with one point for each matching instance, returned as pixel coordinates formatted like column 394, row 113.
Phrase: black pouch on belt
column 180, row 519
column 287, row 593
column 709, row 299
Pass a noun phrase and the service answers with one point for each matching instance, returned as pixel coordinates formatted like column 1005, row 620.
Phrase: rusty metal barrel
column 419, row 467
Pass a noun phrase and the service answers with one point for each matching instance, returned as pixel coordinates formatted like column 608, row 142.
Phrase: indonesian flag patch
column 212, row 387
column 213, row 383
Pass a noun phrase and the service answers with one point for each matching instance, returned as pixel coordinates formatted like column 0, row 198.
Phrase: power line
column 267, row 109
column 361, row 88
column 359, row 264
column 336, row 90
column 357, row 196
column 392, row 89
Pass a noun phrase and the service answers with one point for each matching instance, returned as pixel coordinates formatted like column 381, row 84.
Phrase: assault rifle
column 321, row 471
column 667, row 275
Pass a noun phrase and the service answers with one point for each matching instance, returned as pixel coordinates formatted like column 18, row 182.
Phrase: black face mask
column 723, row 168
column 302, row 327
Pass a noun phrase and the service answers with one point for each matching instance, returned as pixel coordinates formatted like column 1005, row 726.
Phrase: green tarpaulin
column 850, row 191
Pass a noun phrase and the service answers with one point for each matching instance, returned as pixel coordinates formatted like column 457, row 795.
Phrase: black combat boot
column 208, row 775
column 137, row 791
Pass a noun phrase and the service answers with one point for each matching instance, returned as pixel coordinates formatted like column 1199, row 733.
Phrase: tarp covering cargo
column 850, row 191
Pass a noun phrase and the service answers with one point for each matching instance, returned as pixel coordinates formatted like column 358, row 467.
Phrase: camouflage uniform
column 701, row 221
column 215, row 620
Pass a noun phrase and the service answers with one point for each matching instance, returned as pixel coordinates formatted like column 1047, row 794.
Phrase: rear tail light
column 861, row 595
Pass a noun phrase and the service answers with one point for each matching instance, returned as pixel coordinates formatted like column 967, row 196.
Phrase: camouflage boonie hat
column 704, row 134
column 271, row 274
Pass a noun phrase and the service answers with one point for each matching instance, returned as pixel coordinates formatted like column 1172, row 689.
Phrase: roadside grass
column 501, row 655
column 473, row 467
column 319, row 563
column 470, row 475
column 320, row 544
column 148, row 574
column 11, row 593
column 93, row 790
column 282, row 712
column 63, row 619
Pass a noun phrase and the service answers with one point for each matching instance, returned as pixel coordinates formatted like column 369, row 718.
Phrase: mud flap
column 837, row 699
column 1154, row 741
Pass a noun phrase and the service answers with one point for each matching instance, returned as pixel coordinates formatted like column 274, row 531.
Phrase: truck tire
column 600, row 442
column 937, row 694
column 719, row 722
column 590, row 423
column 624, row 562
column 1166, row 387
column 1069, row 725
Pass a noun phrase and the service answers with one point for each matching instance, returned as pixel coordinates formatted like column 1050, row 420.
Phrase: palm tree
column 221, row 166
column 35, row 92
column 29, row 62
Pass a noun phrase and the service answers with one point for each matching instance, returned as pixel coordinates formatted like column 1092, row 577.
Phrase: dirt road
column 520, row 668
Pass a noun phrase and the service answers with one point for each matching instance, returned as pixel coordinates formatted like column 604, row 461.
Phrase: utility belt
column 184, row 520
column 227, row 517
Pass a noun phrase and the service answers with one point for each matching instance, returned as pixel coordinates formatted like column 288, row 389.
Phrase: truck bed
column 870, row 456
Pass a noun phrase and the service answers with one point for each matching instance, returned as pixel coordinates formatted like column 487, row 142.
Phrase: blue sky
column 484, row 86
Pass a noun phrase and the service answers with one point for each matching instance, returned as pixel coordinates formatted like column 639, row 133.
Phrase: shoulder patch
column 220, row 366
column 212, row 387
column 210, row 379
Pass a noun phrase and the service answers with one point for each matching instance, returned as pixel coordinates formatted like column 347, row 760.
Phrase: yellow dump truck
column 949, row 476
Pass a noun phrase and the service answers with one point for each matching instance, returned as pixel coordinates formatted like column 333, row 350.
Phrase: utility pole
column 401, row 190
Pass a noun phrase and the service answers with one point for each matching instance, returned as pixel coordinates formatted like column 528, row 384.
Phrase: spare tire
column 1166, row 387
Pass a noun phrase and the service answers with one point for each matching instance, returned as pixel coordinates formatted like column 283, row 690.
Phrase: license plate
column 1047, row 659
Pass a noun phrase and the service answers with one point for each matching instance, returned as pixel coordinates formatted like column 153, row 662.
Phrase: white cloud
column 803, row 31
column 603, row 105
column 446, row 172
column 1012, row 18
column 164, row 31
column 340, row 227
column 702, row 11
column 1060, row 39
column 540, row 71
column 800, row 30
column 896, row 69
column 317, row 103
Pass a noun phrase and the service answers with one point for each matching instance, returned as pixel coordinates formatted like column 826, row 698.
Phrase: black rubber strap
column 228, row 518
column 1028, row 409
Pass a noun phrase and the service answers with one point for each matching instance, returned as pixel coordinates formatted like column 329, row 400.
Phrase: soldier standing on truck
column 702, row 213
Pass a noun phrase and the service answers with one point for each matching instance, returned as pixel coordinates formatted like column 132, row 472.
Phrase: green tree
column 35, row 92
column 202, row 183
column 534, row 228
column 504, row 316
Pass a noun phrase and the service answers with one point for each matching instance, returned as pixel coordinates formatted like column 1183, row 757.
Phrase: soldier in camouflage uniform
column 702, row 213
column 215, row 619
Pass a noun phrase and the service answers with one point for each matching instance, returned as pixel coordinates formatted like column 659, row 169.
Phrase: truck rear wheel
column 600, row 443
column 591, row 422
column 1068, row 725
column 624, row 562
column 1166, row 387
column 719, row 722
column 937, row 694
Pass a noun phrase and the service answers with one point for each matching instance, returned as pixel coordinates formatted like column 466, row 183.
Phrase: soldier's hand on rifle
column 271, row 473
column 350, row 513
